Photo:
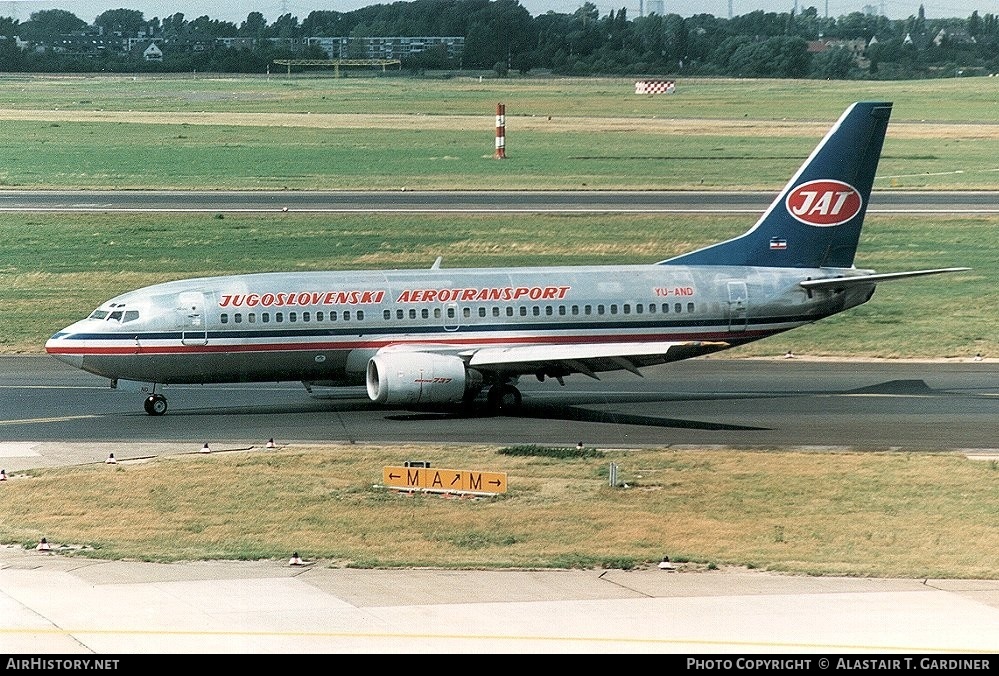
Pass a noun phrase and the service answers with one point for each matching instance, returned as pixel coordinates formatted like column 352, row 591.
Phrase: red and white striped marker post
column 500, row 132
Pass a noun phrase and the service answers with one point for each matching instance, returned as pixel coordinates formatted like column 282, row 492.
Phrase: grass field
column 869, row 514
column 386, row 133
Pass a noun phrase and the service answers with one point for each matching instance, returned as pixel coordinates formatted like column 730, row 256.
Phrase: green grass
column 57, row 267
column 127, row 155
column 942, row 100
column 877, row 514
column 115, row 132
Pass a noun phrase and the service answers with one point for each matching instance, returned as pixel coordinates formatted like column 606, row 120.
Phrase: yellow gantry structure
column 337, row 63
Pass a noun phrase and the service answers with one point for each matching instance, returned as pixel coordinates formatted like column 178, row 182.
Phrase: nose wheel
column 155, row 404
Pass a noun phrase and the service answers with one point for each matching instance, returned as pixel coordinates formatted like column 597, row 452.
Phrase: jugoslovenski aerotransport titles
column 441, row 337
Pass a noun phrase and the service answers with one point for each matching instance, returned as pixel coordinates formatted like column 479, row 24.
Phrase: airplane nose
column 55, row 347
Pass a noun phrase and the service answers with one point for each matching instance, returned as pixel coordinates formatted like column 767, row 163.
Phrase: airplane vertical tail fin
column 816, row 219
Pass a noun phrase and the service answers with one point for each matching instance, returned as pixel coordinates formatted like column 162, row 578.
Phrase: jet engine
column 420, row 378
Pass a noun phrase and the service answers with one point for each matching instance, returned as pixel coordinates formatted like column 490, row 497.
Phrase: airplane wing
column 587, row 359
column 855, row 280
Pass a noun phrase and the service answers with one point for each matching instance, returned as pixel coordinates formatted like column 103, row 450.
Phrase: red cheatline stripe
column 298, row 347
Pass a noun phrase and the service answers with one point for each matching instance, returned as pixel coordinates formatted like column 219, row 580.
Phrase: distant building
column 152, row 53
column 954, row 37
column 147, row 50
column 142, row 41
column 237, row 43
column 386, row 48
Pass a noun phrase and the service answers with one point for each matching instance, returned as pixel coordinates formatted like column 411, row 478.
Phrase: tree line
column 501, row 35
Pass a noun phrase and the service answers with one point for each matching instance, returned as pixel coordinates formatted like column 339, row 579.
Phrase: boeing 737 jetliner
column 442, row 336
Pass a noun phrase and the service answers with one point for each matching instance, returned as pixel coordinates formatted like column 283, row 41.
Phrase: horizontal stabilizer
column 861, row 280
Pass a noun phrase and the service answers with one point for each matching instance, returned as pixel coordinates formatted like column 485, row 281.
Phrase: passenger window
column 252, row 318
column 536, row 311
column 437, row 312
column 346, row 315
column 279, row 316
column 627, row 309
column 266, row 318
column 292, row 316
column 587, row 310
column 238, row 318
column 466, row 312
column 482, row 312
column 320, row 316
column 224, row 318
column 575, row 310
column 678, row 307
column 665, row 308
column 638, row 309
column 509, row 311
column 600, row 309
column 690, row 307
column 496, row 312
column 306, row 316
column 613, row 309
column 523, row 310
column 425, row 313
column 333, row 316
column 360, row 315
column 387, row 314
column 399, row 314
column 412, row 313
column 561, row 310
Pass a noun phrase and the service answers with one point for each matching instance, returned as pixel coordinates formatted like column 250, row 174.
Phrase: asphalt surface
column 765, row 403
column 52, row 602
column 970, row 202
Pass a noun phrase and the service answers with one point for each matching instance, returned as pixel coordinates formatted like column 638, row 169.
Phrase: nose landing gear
column 155, row 404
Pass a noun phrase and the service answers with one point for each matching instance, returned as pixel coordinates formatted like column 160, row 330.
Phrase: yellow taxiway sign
column 434, row 479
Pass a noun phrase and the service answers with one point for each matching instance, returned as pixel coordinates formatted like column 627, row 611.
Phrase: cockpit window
column 115, row 315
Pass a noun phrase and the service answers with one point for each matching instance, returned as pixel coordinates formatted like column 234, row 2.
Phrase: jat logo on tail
column 824, row 202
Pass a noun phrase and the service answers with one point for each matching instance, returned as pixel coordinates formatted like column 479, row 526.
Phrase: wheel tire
column 155, row 404
column 504, row 399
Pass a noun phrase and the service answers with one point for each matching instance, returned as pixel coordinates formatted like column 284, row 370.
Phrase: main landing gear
column 503, row 398
column 155, row 404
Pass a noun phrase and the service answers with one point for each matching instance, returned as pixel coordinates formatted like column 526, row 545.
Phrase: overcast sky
column 236, row 10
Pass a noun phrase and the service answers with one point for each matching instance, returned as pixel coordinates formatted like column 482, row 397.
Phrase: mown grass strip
column 863, row 513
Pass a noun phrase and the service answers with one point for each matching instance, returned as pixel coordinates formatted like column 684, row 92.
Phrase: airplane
column 440, row 337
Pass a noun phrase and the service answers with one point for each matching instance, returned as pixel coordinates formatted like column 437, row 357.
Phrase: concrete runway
column 60, row 604
column 53, row 604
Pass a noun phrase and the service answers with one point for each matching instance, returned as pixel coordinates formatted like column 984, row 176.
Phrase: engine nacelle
column 420, row 378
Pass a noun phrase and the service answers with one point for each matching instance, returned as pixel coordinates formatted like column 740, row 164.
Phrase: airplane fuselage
column 323, row 327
